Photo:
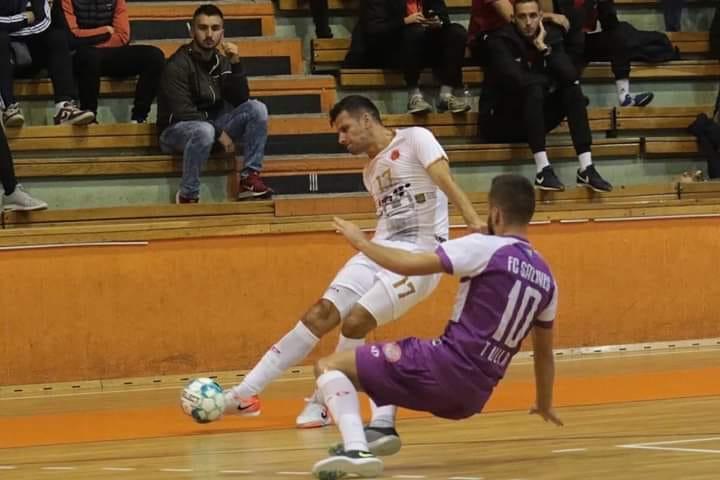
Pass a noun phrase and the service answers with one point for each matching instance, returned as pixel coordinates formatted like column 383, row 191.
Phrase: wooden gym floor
column 645, row 415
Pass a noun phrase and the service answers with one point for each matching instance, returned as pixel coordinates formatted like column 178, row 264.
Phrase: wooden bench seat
column 314, row 213
column 658, row 118
column 671, row 146
column 147, row 15
column 260, row 86
column 132, row 136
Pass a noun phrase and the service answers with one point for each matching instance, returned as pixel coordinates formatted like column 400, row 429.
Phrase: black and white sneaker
column 342, row 463
column 590, row 178
column 547, row 180
column 70, row 114
column 382, row 442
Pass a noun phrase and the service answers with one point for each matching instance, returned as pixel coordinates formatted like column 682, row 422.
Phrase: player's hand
column 231, row 51
column 110, row 29
column 226, row 142
column 559, row 20
column 547, row 414
column 416, row 17
column 350, row 231
column 433, row 22
column 30, row 16
column 478, row 227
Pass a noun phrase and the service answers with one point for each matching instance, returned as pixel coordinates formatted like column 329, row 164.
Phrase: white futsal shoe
column 314, row 415
column 354, row 462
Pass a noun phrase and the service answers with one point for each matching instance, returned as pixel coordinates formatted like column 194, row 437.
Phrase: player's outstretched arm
column 440, row 174
column 394, row 259
column 544, row 375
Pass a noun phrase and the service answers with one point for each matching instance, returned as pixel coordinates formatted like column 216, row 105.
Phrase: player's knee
column 321, row 318
column 358, row 324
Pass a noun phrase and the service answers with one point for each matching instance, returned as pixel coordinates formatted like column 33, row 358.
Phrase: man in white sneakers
column 14, row 197
column 408, row 177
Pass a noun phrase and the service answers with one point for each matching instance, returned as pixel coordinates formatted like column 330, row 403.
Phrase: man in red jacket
column 100, row 34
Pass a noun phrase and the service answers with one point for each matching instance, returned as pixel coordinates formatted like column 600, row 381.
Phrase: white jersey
column 410, row 207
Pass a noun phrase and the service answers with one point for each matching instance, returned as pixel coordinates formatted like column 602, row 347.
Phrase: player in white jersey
column 409, row 178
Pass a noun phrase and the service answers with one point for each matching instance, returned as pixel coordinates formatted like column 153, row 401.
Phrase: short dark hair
column 518, row 2
column 208, row 9
column 355, row 105
column 514, row 195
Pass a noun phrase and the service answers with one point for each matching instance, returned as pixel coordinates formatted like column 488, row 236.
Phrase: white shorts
column 386, row 295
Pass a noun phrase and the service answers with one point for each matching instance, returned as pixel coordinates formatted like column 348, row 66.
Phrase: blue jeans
column 246, row 124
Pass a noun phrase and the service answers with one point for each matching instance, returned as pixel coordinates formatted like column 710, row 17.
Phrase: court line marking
column 660, row 445
column 238, row 472
column 7, row 467
column 118, row 469
column 176, row 470
column 568, row 450
column 292, row 473
column 465, row 478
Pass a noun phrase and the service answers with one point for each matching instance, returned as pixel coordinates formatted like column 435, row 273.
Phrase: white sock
column 383, row 417
column 342, row 400
column 445, row 91
column 414, row 92
column 623, row 88
column 585, row 160
column 344, row 344
column 541, row 160
column 291, row 349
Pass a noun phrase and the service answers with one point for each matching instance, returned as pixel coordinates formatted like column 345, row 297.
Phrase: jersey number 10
column 516, row 322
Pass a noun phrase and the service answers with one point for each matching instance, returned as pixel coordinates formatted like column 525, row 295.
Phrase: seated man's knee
column 153, row 58
column 321, row 318
column 457, row 32
column 258, row 110
column 358, row 323
column 413, row 34
column 203, row 134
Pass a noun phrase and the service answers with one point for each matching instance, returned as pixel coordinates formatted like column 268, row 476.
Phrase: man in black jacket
column 203, row 101
column 517, row 104
column 411, row 35
column 585, row 44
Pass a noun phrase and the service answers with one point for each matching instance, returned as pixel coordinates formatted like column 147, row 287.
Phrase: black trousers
column 7, row 170
column 144, row 60
column 672, row 9
column 320, row 14
column 601, row 46
column 48, row 49
column 418, row 47
column 537, row 115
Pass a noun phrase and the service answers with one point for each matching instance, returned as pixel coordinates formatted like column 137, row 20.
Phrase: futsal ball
column 203, row 400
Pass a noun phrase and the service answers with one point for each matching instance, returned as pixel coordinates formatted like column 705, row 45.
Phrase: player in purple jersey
column 506, row 289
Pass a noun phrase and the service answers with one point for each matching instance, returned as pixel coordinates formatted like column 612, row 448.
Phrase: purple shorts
column 414, row 374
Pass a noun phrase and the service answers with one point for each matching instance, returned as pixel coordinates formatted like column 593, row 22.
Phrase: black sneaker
column 590, row 178
column 382, row 442
column 343, row 463
column 547, row 180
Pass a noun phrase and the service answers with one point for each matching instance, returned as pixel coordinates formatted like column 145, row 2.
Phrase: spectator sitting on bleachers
column 204, row 101
column 516, row 104
column 320, row 13
column 100, row 35
column 29, row 43
column 585, row 44
column 14, row 196
column 487, row 16
column 411, row 35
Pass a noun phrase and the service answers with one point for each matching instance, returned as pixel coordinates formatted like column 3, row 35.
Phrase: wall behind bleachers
column 217, row 304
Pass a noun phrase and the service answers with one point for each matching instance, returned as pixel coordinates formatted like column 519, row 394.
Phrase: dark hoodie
column 11, row 14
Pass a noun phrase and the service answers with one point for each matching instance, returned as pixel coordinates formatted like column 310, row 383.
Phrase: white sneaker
column 342, row 463
column 12, row 116
column 20, row 200
column 314, row 415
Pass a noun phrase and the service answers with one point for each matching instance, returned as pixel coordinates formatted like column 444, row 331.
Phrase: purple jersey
column 505, row 289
